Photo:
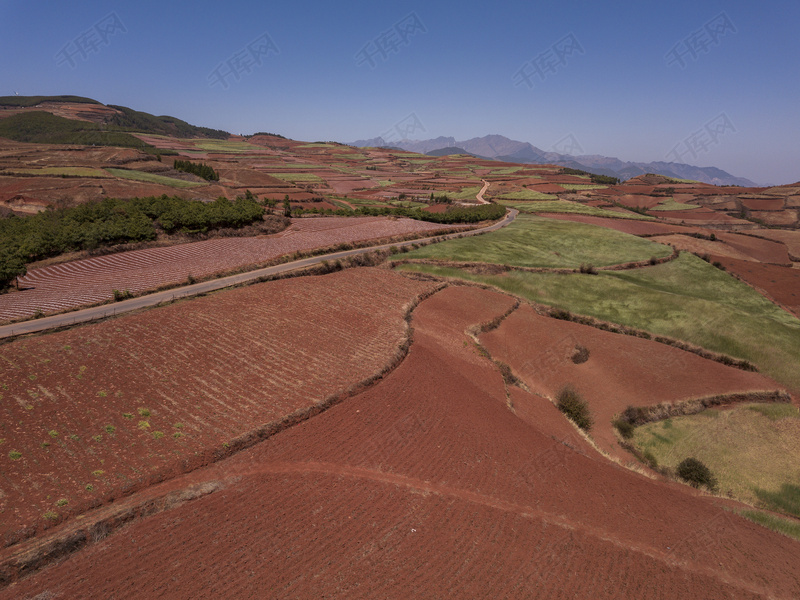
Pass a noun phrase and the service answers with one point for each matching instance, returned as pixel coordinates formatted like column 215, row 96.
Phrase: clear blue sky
column 455, row 65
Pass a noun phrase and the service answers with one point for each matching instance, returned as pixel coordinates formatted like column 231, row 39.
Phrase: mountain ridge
column 499, row 147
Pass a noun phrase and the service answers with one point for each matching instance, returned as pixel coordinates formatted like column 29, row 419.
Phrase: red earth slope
column 101, row 410
column 424, row 486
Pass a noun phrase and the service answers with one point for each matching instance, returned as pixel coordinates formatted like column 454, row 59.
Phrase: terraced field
column 540, row 242
column 91, row 413
column 83, row 282
column 406, row 492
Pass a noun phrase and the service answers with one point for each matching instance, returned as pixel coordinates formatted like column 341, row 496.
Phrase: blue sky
column 600, row 72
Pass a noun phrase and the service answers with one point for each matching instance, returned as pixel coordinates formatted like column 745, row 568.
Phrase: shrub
column 570, row 402
column 118, row 295
column 696, row 474
column 625, row 428
column 580, row 354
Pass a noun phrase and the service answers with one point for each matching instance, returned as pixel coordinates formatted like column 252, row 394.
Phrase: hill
column 78, row 120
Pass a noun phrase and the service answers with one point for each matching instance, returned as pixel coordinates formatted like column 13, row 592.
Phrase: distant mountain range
column 498, row 147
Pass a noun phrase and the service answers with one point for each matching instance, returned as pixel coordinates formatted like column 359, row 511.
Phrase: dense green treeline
column 199, row 169
column 41, row 127
column 112, row 221
column 456, row 214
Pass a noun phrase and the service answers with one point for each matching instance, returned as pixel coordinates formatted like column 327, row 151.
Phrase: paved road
column 108, row 310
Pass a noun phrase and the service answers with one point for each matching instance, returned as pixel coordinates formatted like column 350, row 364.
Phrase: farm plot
column 686, row 298
column 617, row 370
column 427, row 485
column 90, row 413
column 90, row 281
column 566, row 206
column 539, row 242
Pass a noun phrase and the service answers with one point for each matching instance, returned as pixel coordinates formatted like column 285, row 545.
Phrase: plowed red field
column 428, row 486
column 759, row 249
column 115, row 405
column 82, row 282
column 781, row 284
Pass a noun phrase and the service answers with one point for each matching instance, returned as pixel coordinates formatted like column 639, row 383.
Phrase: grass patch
column 670, row 204
column 153, row 178
column 582, row 186
column 295, row 177
column 505, row 171
column 773, row 522
column 685, row 298
column 224, row 146
column 528, row 195
column 566, row 206
column 786, row 499
column 539, row 242
column 468, row 193
column 776, row 412
column 752, row 457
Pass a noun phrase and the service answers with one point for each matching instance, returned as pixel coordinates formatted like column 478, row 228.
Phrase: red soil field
column 640, row 201
column 546, row 188
column 757, row 248
column 763, row 204
column 790, row 238
column 621, row 370
column 701, row 246
column 780, row 284
column 427, row 485
column 632, row 226
column 703, row 216
column 89, row 281
column 207, row 371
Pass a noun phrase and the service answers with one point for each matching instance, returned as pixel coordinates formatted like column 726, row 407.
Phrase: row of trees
column 199, row 169
column 112, row 221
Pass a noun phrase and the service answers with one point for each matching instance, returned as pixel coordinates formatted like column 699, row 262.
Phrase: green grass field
column 527, row 195
column 294, row 177
column 506, row 171
column 317, row 145
column 539, row 242
column 225, row 146
column 467, row 193
column 565, row 206
column 752, row 455
column 671, row 204
column 153, row 178
column 686, row 298
column 582, row 186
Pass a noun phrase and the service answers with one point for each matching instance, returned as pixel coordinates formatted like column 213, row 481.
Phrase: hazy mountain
column 499, row 147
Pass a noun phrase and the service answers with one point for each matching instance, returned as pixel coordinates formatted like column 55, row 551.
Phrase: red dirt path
column 90, row 281
column 427, row 485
